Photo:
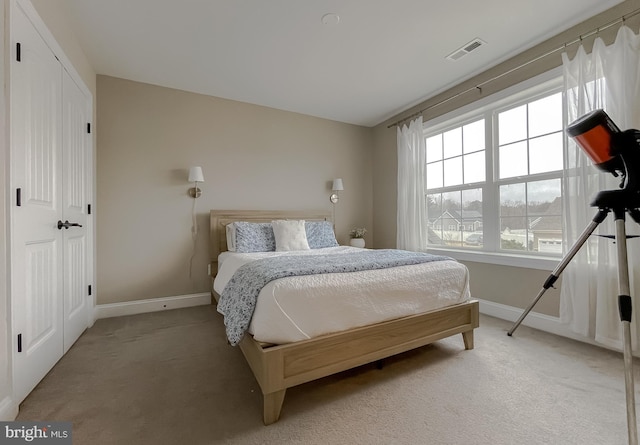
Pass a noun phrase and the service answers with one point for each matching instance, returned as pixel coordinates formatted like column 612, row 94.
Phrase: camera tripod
column 619, row 202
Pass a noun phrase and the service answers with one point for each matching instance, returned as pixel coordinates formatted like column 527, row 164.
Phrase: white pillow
column 231, row 237
column 290, row 235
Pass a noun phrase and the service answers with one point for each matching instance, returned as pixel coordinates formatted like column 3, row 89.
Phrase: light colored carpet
column 170, row 378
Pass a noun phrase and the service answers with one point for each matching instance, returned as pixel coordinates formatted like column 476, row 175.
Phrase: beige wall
column 385, row 186
column 511, row 286
column 55, row 17
column 252, row 158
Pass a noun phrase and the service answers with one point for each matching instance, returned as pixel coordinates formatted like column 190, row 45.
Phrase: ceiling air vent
column 466, row 49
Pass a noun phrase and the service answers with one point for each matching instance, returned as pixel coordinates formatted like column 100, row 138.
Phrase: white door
column 36, row 179
column 76, row 149
column 51, row 177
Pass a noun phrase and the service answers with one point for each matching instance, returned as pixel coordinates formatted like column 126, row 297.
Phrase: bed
column 292, row 361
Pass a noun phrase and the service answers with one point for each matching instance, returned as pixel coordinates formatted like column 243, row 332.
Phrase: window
column 494, row 175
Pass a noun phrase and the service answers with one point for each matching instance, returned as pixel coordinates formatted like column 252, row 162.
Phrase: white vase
column 357, row 242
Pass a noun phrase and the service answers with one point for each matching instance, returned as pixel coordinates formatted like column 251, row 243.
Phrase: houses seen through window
column 494, row 178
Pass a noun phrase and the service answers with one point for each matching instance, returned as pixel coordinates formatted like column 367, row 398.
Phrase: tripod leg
column 625, row 307
column 600, row 216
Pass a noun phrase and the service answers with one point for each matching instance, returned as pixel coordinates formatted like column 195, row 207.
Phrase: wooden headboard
column 220, row 218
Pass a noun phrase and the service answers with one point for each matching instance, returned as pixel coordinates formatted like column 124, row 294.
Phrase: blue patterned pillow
column 320, row 234
column 254, row 237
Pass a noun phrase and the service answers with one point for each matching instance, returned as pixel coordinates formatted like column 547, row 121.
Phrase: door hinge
column 89, row 289
column 88, row 209
column 18, row 52
column 19, row 342
column 19, row 197
column 88, row 127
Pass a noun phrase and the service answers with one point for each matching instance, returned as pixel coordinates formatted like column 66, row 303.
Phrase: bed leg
column 273, row 406
column 467, row 337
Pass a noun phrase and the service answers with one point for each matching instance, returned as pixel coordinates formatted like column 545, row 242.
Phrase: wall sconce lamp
column 195, row 176
column 337, row 186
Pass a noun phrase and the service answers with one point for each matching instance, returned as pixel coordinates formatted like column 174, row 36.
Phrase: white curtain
column 412, row 205
column 607, row 78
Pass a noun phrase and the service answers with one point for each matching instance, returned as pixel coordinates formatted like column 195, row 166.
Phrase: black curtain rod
column 548, row 53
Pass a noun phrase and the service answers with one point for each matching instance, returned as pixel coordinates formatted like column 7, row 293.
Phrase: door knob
column 67, row 224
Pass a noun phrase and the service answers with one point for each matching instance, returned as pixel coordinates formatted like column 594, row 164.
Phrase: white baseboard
column 536, row 320
column 8, row 410
column 151, row 305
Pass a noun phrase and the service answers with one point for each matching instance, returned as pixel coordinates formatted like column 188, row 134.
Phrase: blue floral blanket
column 238, row 299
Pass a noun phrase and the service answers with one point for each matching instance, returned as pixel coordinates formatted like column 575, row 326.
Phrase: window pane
column 472, row 227
column 434, row 148
column 434, row 175
column 453, row 142
column 452, row 207
column 513, row 227
column 474, row 167
column 545, row 216
column 512, row 200
column 513, row 233
column 512, row 125
column 451, row 201
column 472, row 200
column 434, row 212
column 453, row 171
column 513, row 160
column 434, row 205
column 473, row 136
column 544, row 198
column 545, row 115
column 451, row 237
column 545, row 153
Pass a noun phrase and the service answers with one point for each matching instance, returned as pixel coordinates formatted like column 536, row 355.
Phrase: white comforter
column 297, row 308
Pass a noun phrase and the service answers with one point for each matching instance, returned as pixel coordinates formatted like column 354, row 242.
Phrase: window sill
column 502, row 259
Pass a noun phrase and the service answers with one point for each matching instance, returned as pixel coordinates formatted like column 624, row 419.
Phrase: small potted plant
column 357, row 236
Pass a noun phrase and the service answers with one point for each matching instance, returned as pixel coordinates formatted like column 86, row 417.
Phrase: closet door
column 76, row 149
column 36, row 183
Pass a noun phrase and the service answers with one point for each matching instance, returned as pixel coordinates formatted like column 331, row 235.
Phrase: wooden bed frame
column 278, row 367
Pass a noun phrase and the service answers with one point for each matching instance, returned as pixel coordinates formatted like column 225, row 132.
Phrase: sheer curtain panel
column 412, row 205
column 607, row 78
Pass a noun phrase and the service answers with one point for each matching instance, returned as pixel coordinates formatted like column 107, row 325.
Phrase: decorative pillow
column 231, row 237
column 290, row 235
column 254, row 237
column 320, row 234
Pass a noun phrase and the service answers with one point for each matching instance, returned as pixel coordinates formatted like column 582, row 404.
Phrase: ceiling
column 379, row 59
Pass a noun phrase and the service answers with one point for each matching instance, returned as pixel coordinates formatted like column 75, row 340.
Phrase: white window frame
column 488, row 107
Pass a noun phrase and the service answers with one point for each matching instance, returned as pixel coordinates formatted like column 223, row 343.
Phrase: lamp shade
column 337, row 184
column 195, row 174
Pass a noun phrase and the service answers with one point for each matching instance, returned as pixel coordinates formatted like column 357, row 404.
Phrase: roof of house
column 464, row 215
column 551, row 220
